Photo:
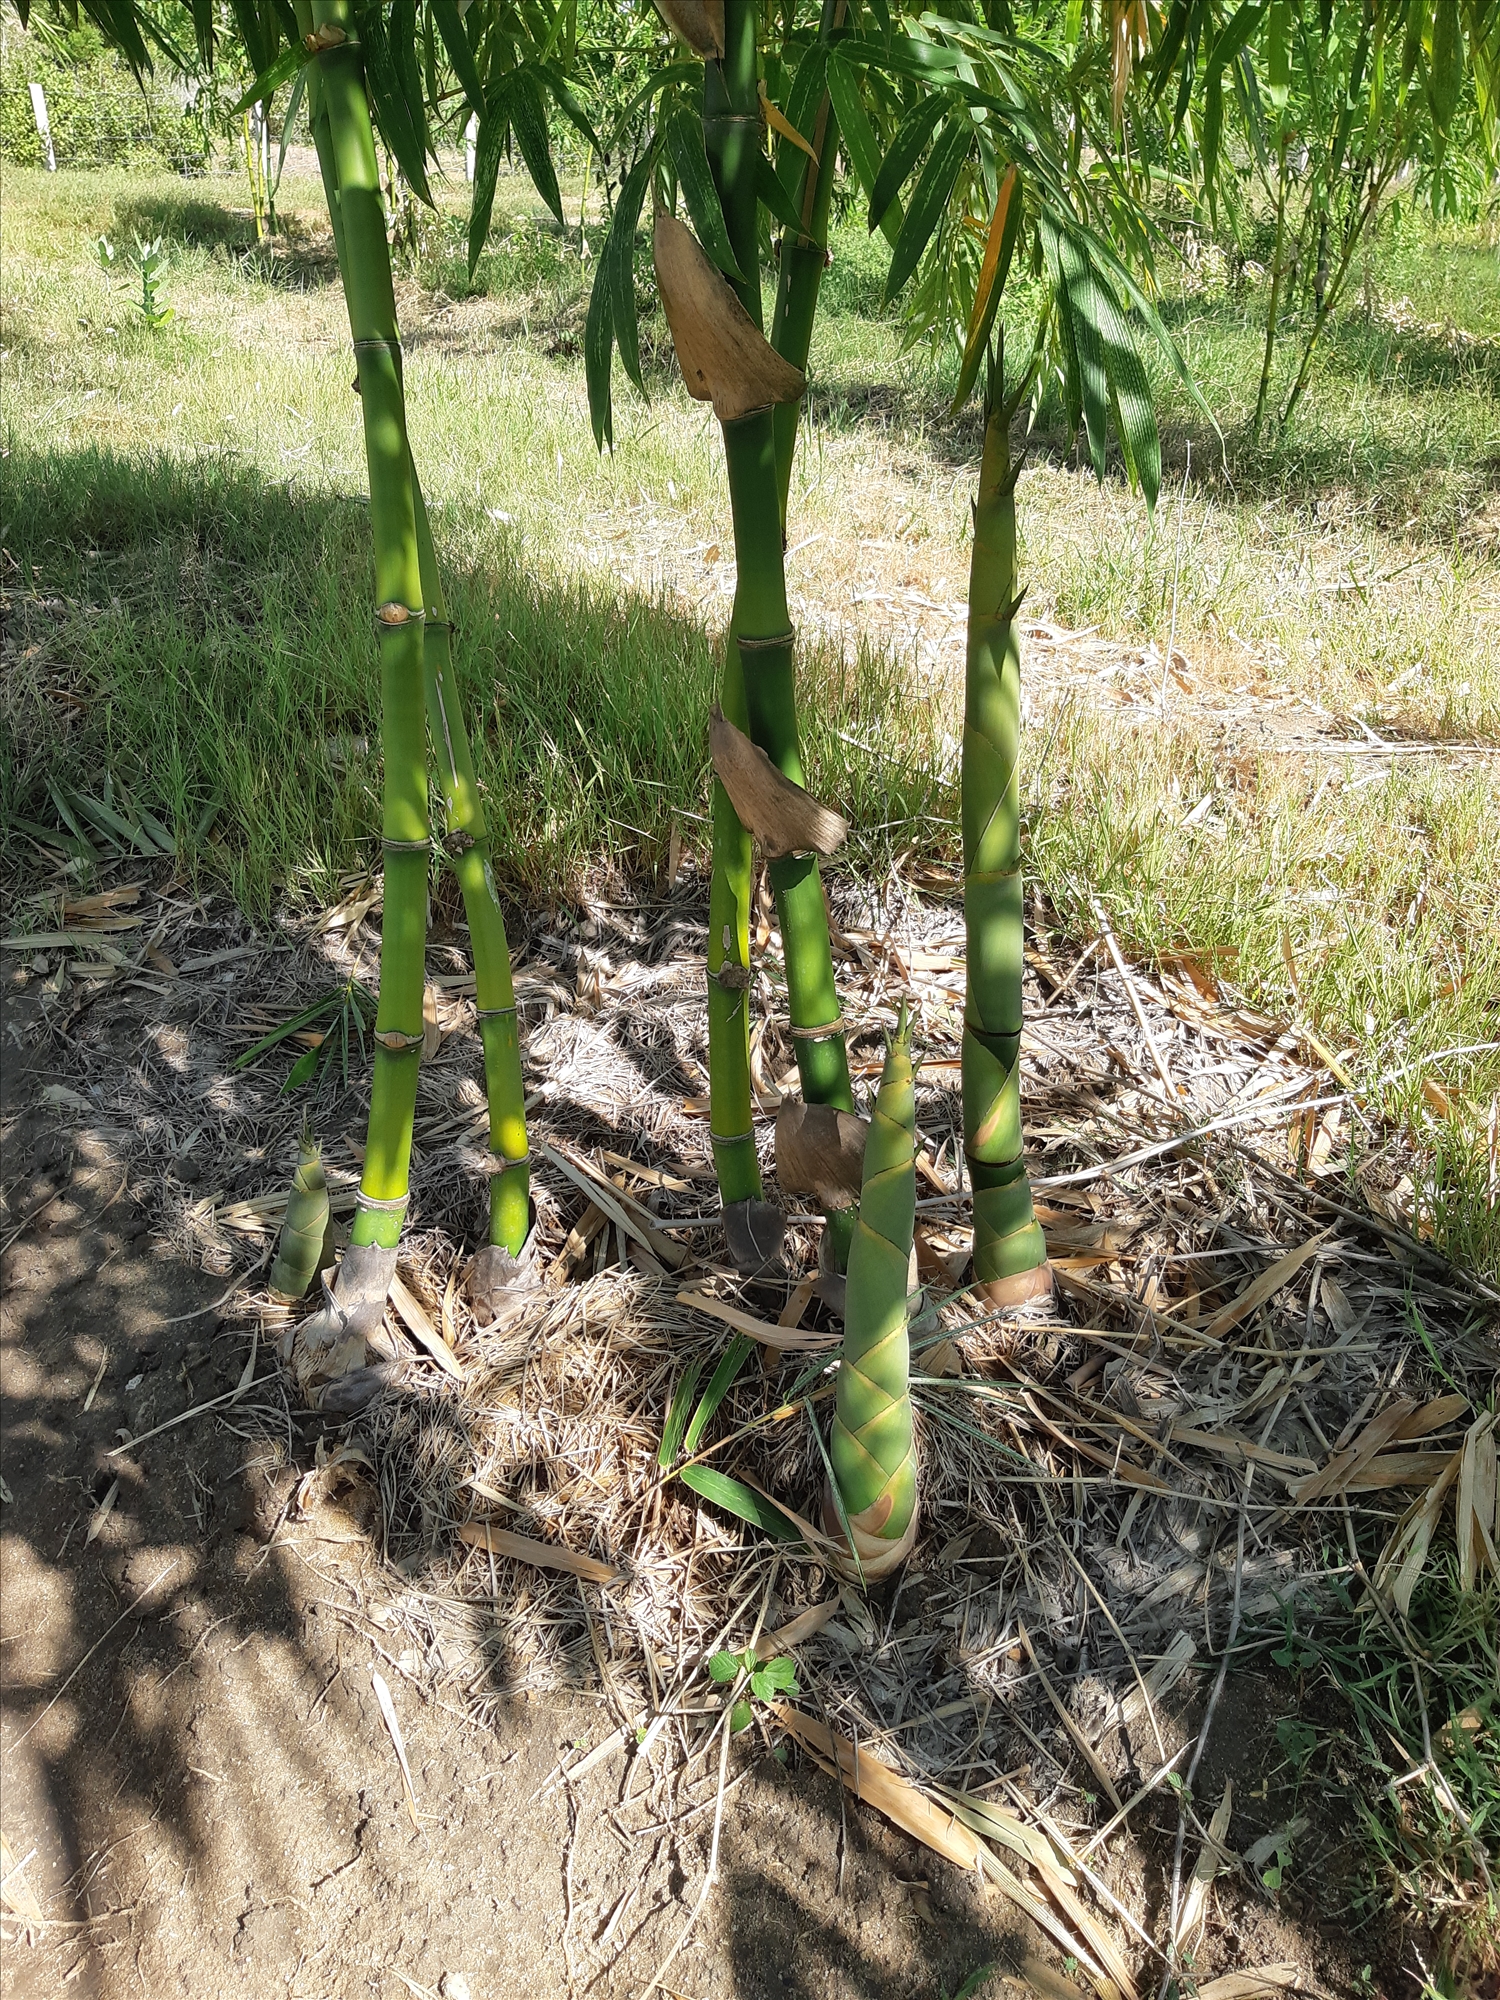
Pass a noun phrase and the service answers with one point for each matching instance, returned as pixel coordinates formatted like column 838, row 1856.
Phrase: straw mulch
column 1230, row 1391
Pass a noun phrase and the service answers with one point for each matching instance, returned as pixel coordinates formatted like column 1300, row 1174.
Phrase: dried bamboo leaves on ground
column 1256, row 1399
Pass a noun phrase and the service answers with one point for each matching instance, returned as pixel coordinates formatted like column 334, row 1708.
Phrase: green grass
column 189, row 561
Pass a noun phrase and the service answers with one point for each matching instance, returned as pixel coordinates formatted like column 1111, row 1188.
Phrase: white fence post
column 44, row 130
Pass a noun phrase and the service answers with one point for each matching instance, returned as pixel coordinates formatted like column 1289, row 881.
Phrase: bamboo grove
column 1002, row 158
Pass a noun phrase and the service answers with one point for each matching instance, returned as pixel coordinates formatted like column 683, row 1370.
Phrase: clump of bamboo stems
column 416, row 667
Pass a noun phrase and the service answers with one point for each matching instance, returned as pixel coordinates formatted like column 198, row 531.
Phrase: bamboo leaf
column 528, row 118
column 1279, row 54
column 773, row 194
column 619, row 255
column 782, row 126
column 682, row 1396
column 999, row 247
column 803, row 101
column 302, row 1020
column 487, row 153
column 911, row 136
column 734, row 1498
column 721, row 1382
column 286, row 65
column 399, row 123
column 931, row 197
column 598, row 350
column 303, row 1069
column 456, row 42
column 683, row 133
column 1445, row 80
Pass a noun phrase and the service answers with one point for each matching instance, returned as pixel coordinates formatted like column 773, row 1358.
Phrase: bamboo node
column 406, row 846
column 824, row 1032
column 494, row 1164
column 774, row 643
column 459, row 840
column 494, row 1013
column 391, row 617
column 396, row 1043
column 386, row 1206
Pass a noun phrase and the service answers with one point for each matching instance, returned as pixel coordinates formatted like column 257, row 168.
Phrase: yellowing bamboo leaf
column 700, row 23
column 978, row 318
column 782, row 125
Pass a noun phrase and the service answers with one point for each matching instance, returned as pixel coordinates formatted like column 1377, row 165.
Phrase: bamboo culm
column 759, row 692
column 468, row 850
column 300, row 1246
column 1008, row 1241
column 804, row 257
column 468, row 840
column 399, row 622
column 872, row 1448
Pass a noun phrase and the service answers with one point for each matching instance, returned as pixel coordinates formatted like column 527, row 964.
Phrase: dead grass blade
column 1404, row 1556
column 1266, row 1286
column 541, row 1555
column 785, row 1339
column 417, row 1320
column 1084, row 1747
column 1261, row 1984
column 873, row 1781
column 796, row 1631
column 1195, row 1903
column 620, row 1209
column 15, row 1891
column 1477, row 1503
column 1344, row 1465
column 388, row 1711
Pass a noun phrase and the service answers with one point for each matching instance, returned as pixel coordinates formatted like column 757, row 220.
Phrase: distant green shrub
column 99, row 114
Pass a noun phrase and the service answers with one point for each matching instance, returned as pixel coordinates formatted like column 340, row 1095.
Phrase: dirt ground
column 203, row 1795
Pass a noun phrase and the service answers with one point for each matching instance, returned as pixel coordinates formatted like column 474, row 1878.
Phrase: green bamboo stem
column 468, row 849
column 370, row 299
column 759, row 665
column 1007, row 1238
column 468, row 834
column 804, row 257
column 871, row 1447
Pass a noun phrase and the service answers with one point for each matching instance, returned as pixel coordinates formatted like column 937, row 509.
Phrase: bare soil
column 201, row 1791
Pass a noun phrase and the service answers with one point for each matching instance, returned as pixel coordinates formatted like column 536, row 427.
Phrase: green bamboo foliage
column 872, row 1448
column 759, row 693
column 300, row 1247
column 1010, row 1254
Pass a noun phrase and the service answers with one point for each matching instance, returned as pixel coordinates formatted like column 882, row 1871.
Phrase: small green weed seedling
column 766, row 1679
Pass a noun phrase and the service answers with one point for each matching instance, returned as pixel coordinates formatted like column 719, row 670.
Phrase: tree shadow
column 297, row 256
